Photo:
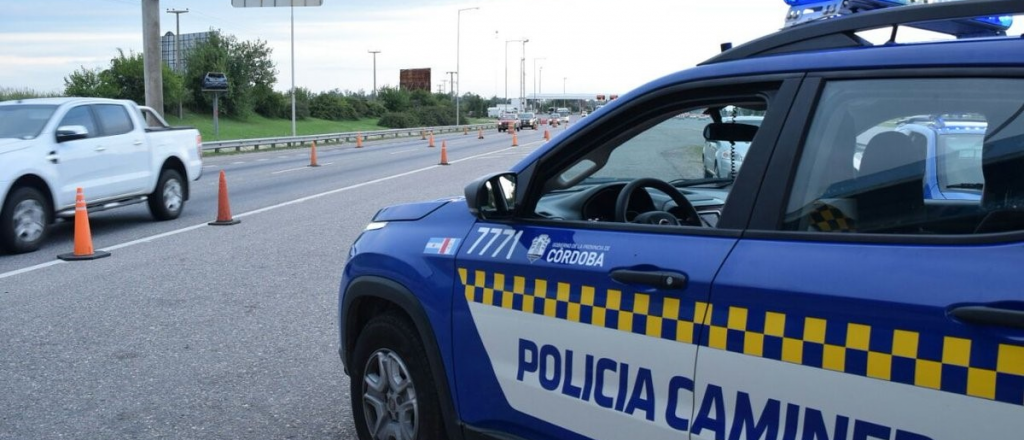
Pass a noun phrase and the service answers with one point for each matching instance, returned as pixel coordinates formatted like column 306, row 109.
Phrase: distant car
column 564, row 117
column 723, row 158
column 583, row 114
column 215, row 81
column 528, row 120
column 509, row 121
column 555, row 119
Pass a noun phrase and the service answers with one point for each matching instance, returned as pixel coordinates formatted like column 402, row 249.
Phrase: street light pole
column 458, row 31
column 522, row 76
column 506, row 67
column 535, row 78
column 563, row 90
column 374, row 52
column 177, row 46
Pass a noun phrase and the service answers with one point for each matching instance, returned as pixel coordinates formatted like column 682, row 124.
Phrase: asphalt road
column 201, row 332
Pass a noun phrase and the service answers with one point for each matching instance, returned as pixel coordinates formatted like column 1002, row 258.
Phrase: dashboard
column 596, row 203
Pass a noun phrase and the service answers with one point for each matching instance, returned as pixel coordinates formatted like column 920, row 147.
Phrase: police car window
column 676, row 148
column 913, row 156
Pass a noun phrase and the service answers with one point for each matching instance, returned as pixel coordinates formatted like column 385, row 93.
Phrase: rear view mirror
column 492, row 196
column 729, row 132
column 71, row 132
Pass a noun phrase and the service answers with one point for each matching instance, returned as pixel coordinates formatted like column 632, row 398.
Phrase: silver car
column 723, row 159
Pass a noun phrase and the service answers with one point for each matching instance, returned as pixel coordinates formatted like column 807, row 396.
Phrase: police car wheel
column 393, row 393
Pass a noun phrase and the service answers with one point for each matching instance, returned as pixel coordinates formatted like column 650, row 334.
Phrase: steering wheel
column 656, row 217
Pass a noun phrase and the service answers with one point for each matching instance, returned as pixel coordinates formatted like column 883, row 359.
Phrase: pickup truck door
column 125, row 151
column 80, row 163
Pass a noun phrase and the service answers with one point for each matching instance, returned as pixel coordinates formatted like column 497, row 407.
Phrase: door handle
column 101, row 148
column 137, row 142
column 659, row 279
column 990, row 316
column 52, row 157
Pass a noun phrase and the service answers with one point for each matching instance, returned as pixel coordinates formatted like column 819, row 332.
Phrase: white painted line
column 30, row 268
column 237, row 163
column 246, row 214
column 405, row 151
column 262, row 160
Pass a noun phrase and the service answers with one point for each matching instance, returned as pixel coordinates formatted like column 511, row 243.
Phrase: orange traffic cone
column 83, row 235
column 515, row 140
column 481, row 135
column 312, row 155
column 223, row 206
column 444, row 154
column 359, row 140
column 547, row 135
column 431, row 140
column 465, row 131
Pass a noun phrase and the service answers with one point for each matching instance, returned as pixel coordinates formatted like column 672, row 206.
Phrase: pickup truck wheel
column 25, row 222
column 393, row 392
column 169, row 197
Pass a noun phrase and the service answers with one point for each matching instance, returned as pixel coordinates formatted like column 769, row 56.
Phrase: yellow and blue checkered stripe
column 957, row 365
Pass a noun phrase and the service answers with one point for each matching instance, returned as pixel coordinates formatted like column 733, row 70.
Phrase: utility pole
column 452, row 80
column 374, row 52
column 151, row 59
column 177, row 48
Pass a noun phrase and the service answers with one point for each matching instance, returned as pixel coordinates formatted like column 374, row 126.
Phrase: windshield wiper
column 718, row 181
column 966, row 185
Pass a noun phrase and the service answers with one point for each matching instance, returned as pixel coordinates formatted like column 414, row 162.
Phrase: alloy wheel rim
column 29, row 220
column 389, row 398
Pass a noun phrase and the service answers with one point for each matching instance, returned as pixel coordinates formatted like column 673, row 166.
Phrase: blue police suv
column 604, row 288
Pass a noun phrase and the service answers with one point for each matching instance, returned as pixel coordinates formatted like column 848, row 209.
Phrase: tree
column 395, row 100
column 86, row 82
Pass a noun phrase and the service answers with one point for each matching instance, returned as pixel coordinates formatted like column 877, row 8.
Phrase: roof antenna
column 892, row 38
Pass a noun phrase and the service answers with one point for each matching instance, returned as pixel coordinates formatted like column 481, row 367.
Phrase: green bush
column 435, row 115
column 398, row 120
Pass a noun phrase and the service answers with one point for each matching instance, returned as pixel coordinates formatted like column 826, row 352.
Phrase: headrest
column 729, row 132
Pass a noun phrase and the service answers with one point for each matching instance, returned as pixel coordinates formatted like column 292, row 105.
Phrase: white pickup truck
column 49, row 147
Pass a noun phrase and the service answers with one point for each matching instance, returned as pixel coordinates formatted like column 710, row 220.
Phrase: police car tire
column 393, row 332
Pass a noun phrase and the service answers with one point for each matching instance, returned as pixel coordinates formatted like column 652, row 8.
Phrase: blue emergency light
column 803, row 11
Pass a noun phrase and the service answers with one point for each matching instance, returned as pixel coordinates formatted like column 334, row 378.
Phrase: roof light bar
column 804, row 11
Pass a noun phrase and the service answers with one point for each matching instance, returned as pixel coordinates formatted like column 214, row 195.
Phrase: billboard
column 414, row 79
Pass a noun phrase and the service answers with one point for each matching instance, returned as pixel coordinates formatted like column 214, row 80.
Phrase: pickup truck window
column 24, row 121
column 114, row 119
column 80, row 116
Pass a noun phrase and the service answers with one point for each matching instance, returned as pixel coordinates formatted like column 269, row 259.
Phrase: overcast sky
column 590, row 46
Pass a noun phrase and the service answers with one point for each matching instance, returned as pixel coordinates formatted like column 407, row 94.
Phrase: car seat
column 890, row 184
column 1002, row 164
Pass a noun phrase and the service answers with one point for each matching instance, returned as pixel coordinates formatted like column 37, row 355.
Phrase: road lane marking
column 253, row 212
column 299, row 168
column 404, row 151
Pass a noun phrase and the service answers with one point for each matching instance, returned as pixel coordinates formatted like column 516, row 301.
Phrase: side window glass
column 683, row 164
column 912, row 156
column 113, row 119
column 80, row 116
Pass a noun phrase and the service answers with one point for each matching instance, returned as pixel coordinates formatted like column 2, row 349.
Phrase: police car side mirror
column 492, row 196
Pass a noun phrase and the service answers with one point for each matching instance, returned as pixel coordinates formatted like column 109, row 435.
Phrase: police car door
column 571, row 323
column 858, row 306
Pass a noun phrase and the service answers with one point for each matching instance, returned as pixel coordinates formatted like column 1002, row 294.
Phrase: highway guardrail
column 293, row 141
